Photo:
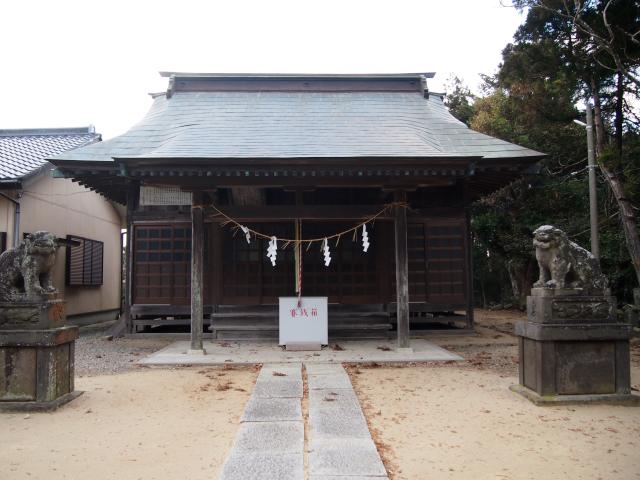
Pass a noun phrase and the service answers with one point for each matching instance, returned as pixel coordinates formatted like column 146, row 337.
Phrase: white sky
column 67, row 63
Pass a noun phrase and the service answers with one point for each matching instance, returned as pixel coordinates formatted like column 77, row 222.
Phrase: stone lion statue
column 25, row 271
column 563, row 263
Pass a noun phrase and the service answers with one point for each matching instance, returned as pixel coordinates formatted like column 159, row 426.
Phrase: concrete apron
column 354, row 351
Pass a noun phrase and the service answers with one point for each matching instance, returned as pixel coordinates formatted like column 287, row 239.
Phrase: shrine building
column 297, row 157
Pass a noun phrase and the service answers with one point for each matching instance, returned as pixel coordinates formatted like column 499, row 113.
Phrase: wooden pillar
column 197, row 260
column 469, row 280
column 402, row 271
column 132, row 202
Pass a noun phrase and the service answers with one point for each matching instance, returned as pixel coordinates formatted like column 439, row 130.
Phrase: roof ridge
column 299, row 75
column 24, row 132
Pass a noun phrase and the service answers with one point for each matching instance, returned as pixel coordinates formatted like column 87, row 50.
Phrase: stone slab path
column 340, row 445
column 270, row 442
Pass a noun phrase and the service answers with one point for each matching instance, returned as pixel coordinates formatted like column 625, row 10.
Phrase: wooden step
column 240, row 326
column 273, row 335
column 332, row 307
column 275, row 327
column 242, row 315
column 271, row 314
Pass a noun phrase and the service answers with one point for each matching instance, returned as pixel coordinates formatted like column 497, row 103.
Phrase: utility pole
column 593, row 198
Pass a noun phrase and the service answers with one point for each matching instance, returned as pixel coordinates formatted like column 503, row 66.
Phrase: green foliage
column 459, row 100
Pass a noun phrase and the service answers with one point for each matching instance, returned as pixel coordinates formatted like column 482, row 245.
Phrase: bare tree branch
column 606, row 45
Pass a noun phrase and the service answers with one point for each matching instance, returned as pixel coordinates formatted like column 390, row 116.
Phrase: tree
column 599, row 42
column 459, row 99
column 609, row 30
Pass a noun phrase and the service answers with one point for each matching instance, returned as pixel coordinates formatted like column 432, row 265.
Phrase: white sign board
column 306, row 323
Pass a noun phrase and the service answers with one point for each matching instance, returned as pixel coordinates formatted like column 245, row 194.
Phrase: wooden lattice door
column 438, row 262
column 352, row 275
column 248, row 278
column 446, row 265
column 162, row 264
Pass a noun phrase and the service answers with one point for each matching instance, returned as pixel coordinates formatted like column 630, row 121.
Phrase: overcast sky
column 69, row 63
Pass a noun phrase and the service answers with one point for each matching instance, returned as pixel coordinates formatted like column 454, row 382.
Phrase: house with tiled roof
column 87, row 271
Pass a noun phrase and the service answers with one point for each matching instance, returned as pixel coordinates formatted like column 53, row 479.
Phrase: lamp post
column 593, row 196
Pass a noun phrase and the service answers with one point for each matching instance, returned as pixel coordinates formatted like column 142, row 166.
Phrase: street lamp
column 593, row 198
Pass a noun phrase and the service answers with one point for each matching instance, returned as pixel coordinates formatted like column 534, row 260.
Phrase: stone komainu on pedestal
column 36, row 348
column 572, row 347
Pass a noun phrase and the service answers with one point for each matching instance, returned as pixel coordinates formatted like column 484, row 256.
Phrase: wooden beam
column 194, row 183
column 402, row 271
column 292, row 212
column 197, row 260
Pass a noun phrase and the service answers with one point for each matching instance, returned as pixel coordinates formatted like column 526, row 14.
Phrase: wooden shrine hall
column 297, row 157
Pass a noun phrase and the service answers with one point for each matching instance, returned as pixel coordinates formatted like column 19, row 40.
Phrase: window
column 84, row 262
column 3, row 241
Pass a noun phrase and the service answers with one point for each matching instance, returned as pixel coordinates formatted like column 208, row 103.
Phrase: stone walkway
column 270, row 443
column 340, row 444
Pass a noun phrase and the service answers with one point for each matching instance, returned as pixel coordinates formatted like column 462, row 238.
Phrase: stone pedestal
column 573, row 349
column 632, row 312
column 44, row 314
column 36, row 357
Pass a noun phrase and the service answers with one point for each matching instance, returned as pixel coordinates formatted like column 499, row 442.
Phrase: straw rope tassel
column 353, row 230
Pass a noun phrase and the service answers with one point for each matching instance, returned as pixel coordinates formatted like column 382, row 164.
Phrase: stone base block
column 574, row 366
column 628, row 400
column 303, row 347
column 200, row 351
column 37, row 367
column 404, row 350
column 39, row 406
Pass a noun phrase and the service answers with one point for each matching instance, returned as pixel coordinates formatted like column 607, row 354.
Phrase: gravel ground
column 493, row 347
column 96, row 355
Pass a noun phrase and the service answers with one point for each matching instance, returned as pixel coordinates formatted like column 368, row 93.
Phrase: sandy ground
column 443, row 421
column 460, row 421
column 143, row 424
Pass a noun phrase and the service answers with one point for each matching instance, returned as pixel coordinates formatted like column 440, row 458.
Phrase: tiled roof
column 215, row 124
column 24, row 152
